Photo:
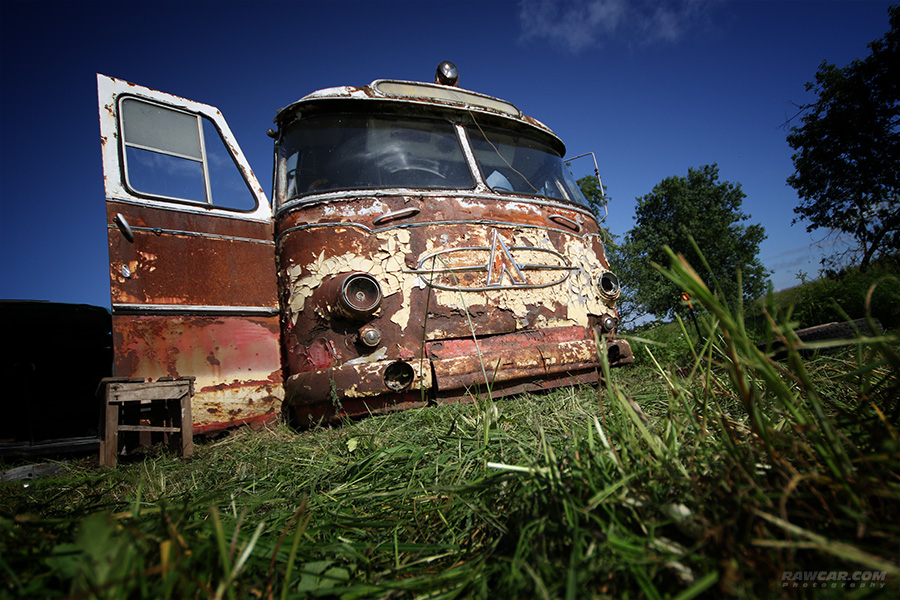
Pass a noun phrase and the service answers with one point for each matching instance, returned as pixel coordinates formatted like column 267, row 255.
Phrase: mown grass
column 713, row 476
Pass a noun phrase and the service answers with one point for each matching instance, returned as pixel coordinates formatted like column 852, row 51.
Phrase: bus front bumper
column 525, row 361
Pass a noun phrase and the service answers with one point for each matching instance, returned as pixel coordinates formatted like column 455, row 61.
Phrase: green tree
column 701, row 207
column 847, row 160
column 595, row 194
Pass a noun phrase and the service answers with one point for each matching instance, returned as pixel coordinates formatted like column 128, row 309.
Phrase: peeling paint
column 378, row 355
column 385, row 262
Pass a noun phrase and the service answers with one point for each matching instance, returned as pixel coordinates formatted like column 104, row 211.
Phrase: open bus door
column 191, row 253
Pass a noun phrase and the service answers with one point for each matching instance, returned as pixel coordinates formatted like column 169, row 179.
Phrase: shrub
column 844, row 295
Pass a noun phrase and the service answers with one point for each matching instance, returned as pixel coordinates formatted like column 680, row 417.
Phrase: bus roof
column 425, row 95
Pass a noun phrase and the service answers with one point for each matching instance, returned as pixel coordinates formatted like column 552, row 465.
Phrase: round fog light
column 370, row 336
column 608, row 323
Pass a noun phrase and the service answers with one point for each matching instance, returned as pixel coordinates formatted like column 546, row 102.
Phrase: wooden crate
column 154, row 410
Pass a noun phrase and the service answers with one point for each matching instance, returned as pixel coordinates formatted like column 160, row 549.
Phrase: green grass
column 710, row 477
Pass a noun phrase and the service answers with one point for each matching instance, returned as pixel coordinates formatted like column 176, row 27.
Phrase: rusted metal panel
column 370, row 210
column 157, row 219
column 231, row 358
column 176, row 259
column 465, row 274
column 499, row 389
column 357, row 387
column 306, row 414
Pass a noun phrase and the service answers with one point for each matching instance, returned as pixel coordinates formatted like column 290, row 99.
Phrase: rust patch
column 305, row 415
column 506, row 388
column 175, row 259
column 234, row 359
column 531, row 355
column 255, row 422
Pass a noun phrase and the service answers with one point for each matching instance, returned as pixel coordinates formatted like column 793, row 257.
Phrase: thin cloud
column 580, row 24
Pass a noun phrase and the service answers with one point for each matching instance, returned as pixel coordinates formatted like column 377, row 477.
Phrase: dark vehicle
column 53, row 357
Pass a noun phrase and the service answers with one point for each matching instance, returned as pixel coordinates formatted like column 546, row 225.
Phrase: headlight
column 609, row 284
column 360, row 296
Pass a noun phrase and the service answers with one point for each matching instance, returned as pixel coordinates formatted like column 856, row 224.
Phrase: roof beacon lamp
column 447, row 74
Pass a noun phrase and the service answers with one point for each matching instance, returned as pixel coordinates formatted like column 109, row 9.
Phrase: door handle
column 124, row 227
column 397, row 214
column 565, row 221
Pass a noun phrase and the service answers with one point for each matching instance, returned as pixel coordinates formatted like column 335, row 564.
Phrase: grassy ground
column 719, row 474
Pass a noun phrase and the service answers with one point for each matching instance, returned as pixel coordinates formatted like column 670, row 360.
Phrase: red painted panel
column 236, row 362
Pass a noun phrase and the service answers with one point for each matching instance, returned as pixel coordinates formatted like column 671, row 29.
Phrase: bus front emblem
column 498, row 266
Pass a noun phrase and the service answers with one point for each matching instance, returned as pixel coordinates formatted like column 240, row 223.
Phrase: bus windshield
column 360, row 151
column 365, row 151
column 518, row 164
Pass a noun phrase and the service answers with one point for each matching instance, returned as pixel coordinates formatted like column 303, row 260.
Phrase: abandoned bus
column 424, row 243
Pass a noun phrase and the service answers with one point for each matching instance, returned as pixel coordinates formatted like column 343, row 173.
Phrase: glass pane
column 164, row 175
column 229, row 190
column 161, row 128
column 350, row 151
column 514, row 163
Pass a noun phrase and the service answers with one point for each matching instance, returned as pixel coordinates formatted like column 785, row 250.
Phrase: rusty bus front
column 431, row 244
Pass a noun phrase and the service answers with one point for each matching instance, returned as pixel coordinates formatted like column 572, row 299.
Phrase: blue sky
column 652, row 87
